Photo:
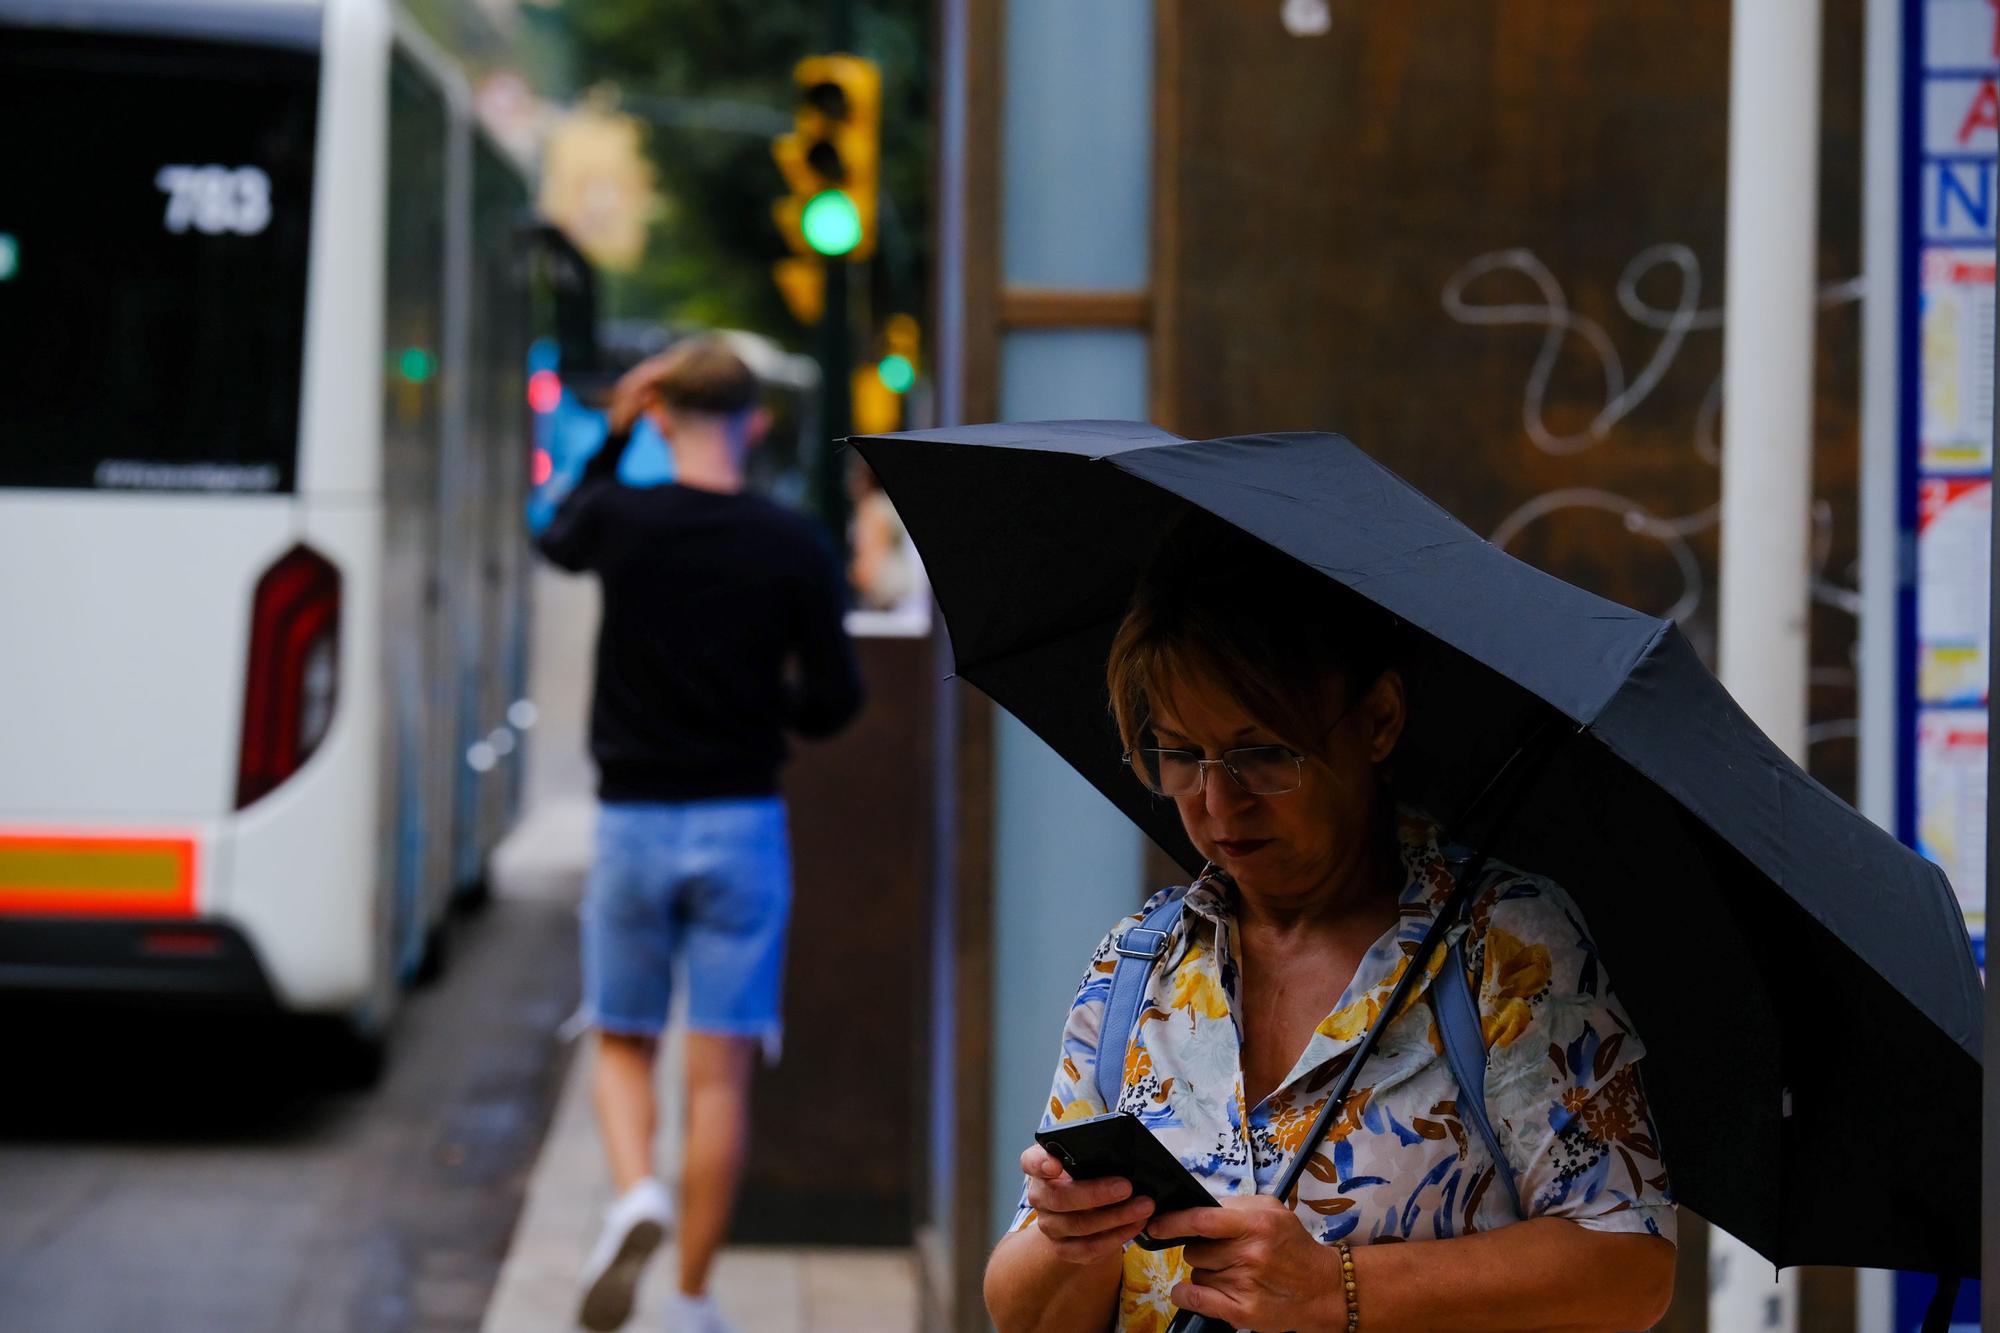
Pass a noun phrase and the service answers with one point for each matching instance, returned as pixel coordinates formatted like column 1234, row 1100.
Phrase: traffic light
column 802, row 282
column 831, row 160
column 879, row 387
column 902, row 339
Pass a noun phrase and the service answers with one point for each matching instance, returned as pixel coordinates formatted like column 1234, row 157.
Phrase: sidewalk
column 761, row 1290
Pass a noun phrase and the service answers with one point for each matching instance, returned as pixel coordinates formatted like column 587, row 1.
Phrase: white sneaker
column 695, row 1314
column 634, row 1226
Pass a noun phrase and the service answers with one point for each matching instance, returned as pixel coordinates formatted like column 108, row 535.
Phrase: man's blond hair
column 700, row 375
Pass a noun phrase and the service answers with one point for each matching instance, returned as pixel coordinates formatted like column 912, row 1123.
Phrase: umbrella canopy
column 1803, row 981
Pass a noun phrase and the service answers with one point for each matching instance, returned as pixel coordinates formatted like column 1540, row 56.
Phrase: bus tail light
column 294, row 671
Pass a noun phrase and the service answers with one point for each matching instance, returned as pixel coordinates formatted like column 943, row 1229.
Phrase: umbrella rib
column 1647, row 651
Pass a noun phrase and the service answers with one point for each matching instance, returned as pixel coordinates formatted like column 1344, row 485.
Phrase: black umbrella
column 1803, row 981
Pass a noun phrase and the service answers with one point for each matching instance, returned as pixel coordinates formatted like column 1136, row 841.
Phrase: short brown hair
column 703, row 374
column 1219, row 604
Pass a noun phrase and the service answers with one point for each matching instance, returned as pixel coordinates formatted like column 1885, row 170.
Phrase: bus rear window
column 153, row 226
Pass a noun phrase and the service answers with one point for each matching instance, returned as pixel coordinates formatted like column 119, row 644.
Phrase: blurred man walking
column 721, row 631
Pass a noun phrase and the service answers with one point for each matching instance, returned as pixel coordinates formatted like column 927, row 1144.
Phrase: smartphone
column 1116, row 1144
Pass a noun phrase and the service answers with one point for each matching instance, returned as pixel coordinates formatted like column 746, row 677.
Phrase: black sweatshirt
column 721, row 630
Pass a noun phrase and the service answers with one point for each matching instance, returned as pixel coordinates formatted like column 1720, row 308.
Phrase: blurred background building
column 1487, row 243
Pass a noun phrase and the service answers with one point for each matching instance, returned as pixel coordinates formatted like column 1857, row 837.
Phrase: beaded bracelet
column 1347, row 1284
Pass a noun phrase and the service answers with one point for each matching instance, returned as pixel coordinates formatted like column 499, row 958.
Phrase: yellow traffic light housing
column 801, row 281
column 877, row 408
column 879, row 387
column 831, row 160
column 902, row 339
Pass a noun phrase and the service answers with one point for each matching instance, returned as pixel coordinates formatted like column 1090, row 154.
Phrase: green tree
column 711, row 253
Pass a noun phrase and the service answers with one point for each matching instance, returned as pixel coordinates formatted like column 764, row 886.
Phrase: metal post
column 1767, row 449
column 836, row 394
column 836, row 357
column 1880, row 481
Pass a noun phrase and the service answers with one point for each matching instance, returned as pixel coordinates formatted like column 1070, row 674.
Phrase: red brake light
column 294, row 670
column 544, row 391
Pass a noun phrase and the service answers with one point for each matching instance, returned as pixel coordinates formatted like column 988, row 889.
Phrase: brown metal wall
column 834, row 1155
column 1317, row 197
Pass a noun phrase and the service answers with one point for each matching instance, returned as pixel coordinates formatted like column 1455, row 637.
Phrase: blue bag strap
column 1465, row 1051
column 1937, row 1316
column 1139, row 947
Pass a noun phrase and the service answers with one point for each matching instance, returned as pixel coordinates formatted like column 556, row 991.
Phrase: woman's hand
column 1256, row 1266
column 1061, row 1274
column 1086, row 1221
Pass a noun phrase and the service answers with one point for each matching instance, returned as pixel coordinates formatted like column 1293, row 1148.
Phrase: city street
column 607, row 602
column 177, row 1173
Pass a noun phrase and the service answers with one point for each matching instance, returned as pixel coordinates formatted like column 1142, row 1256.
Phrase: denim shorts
column 704, row 886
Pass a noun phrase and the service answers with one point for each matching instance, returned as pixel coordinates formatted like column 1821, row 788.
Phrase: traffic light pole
column 836, row 352
column 839, row 24
column 836, row 404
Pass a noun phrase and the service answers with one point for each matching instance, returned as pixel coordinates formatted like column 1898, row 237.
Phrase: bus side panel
column 307, row 884
column 512, row 446
column 465, row 496
column 498, row 438
column 304, row 884
column 340, row 417
column 409, row 672
column 416, row 480
column 428, row 266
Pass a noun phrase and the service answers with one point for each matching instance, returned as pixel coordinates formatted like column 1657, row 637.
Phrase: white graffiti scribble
column 1306, row 18
column 1670, row 533
column 1555, row 315
column 1623, row 396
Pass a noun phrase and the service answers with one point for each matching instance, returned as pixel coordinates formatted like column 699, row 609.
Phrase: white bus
column 265, row 312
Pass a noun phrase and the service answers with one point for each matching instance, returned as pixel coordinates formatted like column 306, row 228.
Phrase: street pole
column 836, row 397
column 1880, row 483
column 836, row 357
column 1767, row 434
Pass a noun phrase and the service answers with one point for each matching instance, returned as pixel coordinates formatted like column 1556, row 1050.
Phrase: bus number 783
column 214, row 199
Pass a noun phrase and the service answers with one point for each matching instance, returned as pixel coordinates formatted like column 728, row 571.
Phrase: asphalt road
column 180, row 1173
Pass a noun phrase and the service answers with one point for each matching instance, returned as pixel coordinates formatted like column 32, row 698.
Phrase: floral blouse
column 1562, row 1080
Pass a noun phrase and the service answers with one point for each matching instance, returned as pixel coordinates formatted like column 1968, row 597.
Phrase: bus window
column 415, row 592
column 413, row 311
column 154, row 224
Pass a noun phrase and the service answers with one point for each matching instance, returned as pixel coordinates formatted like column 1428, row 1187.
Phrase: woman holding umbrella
column 1265, row 703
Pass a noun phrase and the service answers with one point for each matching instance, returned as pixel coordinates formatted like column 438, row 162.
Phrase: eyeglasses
column 1261, row 770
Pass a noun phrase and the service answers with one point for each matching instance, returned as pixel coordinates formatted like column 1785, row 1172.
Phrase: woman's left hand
column 1256, row 1266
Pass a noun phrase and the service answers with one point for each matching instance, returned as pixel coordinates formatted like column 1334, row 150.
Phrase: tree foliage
column 711, row 253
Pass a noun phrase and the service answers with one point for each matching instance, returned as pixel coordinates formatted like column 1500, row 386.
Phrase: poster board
column 1944, row 285
column 1951, row 133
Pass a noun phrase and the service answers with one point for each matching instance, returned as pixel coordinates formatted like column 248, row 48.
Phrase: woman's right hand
column 1087, row 1221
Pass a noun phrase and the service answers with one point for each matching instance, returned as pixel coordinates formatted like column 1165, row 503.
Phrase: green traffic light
column 416, row 364
column 10, row 256
column 831, row 223
column 896, row 373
